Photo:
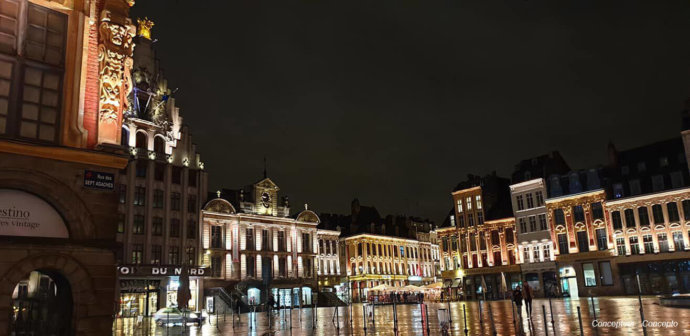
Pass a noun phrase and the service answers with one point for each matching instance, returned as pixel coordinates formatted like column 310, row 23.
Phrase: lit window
column 460, row 205
column 478, row 199
column 590, row 278
column 469, row 203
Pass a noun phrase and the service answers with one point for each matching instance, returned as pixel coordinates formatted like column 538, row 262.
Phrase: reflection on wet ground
column 614, row 315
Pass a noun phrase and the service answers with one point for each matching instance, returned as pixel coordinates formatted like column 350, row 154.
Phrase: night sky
column 394, row 102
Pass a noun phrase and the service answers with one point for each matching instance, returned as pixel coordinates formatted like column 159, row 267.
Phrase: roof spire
column 265, row 175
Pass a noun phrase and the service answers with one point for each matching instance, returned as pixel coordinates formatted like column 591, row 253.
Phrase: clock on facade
column 266, row 199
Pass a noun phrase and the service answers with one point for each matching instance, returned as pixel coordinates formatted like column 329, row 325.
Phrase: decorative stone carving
column 115, row 62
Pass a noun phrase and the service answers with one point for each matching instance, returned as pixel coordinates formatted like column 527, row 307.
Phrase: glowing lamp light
column 185, row 162
column 152, row 155
column 170, row 158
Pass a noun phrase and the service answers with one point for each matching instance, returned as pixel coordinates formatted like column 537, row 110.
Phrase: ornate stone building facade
column 160, row 192
column 373, row 260
column 328, row 264
column 255, row 249
column 63, row 84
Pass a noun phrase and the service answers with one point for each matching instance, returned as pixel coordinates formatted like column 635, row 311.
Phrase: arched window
column 142, row 140
column 159, row 145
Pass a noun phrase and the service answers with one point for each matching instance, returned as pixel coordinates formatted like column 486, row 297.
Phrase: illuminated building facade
column 373, row 260
column 254, row 248
column 160, row 192
column 535, row 247
column 650, row 216
column 329, row 259
column 584, row 246
column 62, row 96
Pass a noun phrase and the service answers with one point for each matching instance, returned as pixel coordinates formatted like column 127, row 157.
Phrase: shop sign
column 24, row 214
column 414, row 278
column 160, row 270
column 99, row 180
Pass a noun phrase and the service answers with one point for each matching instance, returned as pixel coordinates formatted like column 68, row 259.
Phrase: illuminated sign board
column 26, row 215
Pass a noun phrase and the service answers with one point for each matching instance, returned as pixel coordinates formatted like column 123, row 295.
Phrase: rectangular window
column 216, row 236
column 482, row 241
column 542, row 223
column 526, row 255
column 676, row 179
column 158, row 199
column 630, row 218
column 470, row 220
column 249, row 239
column 532, row 223
column 605, row 273
column 597, row 211
column 530, row 201
column 495, row 239
column 191, row 255
column 620, row 245
column 616, row 218
column 216, row 266
column 191, row 204
column 454, row 243
column 281, row 241
column 174, row 255
column 251, row 266
column 478, row 199
column 520, row 202
column 306, row 243
column 175, row 201
column 120, row 223
column 157, row 226
column 461, row 221
column 141, row 167
column 578, row 213
column 678, row 243
column 588, row 272
column 686, row 209
column 307, row 268
column 634, row 245
column 191, row 229
column 663, row 242
column 582, row 241
column 468, row 201
column 643, row 215
column 559, row 217
column 137, row 254
column 156, row 254
column 535, row 253
column 658, row 214
column 480, row 218
column 540, row 198
column 473, row 242
column 510, row 238
column 648, row 243
column 617, row 190
column 672, row 209
column 140, row 196
column 547, row 252
column 122, row 193
column 138, row 227
column 460, row 206
column 657, row 182
column 176, row 175
column 159, row 171
column 563, row 245
column 602, row 240
column 174, row 227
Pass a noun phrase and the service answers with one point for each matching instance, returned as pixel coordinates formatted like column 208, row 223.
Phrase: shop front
column 146, row 289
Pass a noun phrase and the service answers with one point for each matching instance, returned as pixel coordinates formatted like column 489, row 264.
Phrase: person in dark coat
column 527, row 294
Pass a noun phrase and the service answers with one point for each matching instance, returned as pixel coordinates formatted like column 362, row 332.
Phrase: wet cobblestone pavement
column 411, row 320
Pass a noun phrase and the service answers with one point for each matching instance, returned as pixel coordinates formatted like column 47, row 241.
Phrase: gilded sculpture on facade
column 115, row 61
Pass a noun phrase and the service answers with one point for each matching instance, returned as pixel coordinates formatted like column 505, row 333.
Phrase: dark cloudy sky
column 394, row 102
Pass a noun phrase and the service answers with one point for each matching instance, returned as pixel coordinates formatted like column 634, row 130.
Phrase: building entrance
column 42, row 305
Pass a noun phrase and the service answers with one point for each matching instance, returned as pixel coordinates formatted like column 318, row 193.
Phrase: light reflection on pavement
column 412, row 320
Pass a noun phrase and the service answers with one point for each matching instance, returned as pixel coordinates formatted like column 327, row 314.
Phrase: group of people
column 520, row 294
column 398, row 298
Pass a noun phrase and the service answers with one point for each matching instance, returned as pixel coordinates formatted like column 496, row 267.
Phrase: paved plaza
column 412, row 320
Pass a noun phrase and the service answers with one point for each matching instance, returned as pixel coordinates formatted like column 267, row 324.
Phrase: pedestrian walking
column 517, row 298
column 527, row 294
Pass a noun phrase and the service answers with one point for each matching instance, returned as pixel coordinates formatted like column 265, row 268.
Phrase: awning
column 447, row 283
column 457, row 282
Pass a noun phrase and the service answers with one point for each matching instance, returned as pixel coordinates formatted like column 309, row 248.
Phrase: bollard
column 481, row 320
column 290, row 315
column 512, row 311
column 579, row 319
column 364, row 318
column 395, row 318
column 232, row 316
column 426, row 312
column 224, row 314
column 373, row 315
column 167, row 323
column 639, row 298
column 450, row 319
column 553, row 325
column 594, row 313
column 337, row 317
column 546, row 327
column 464, row 314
